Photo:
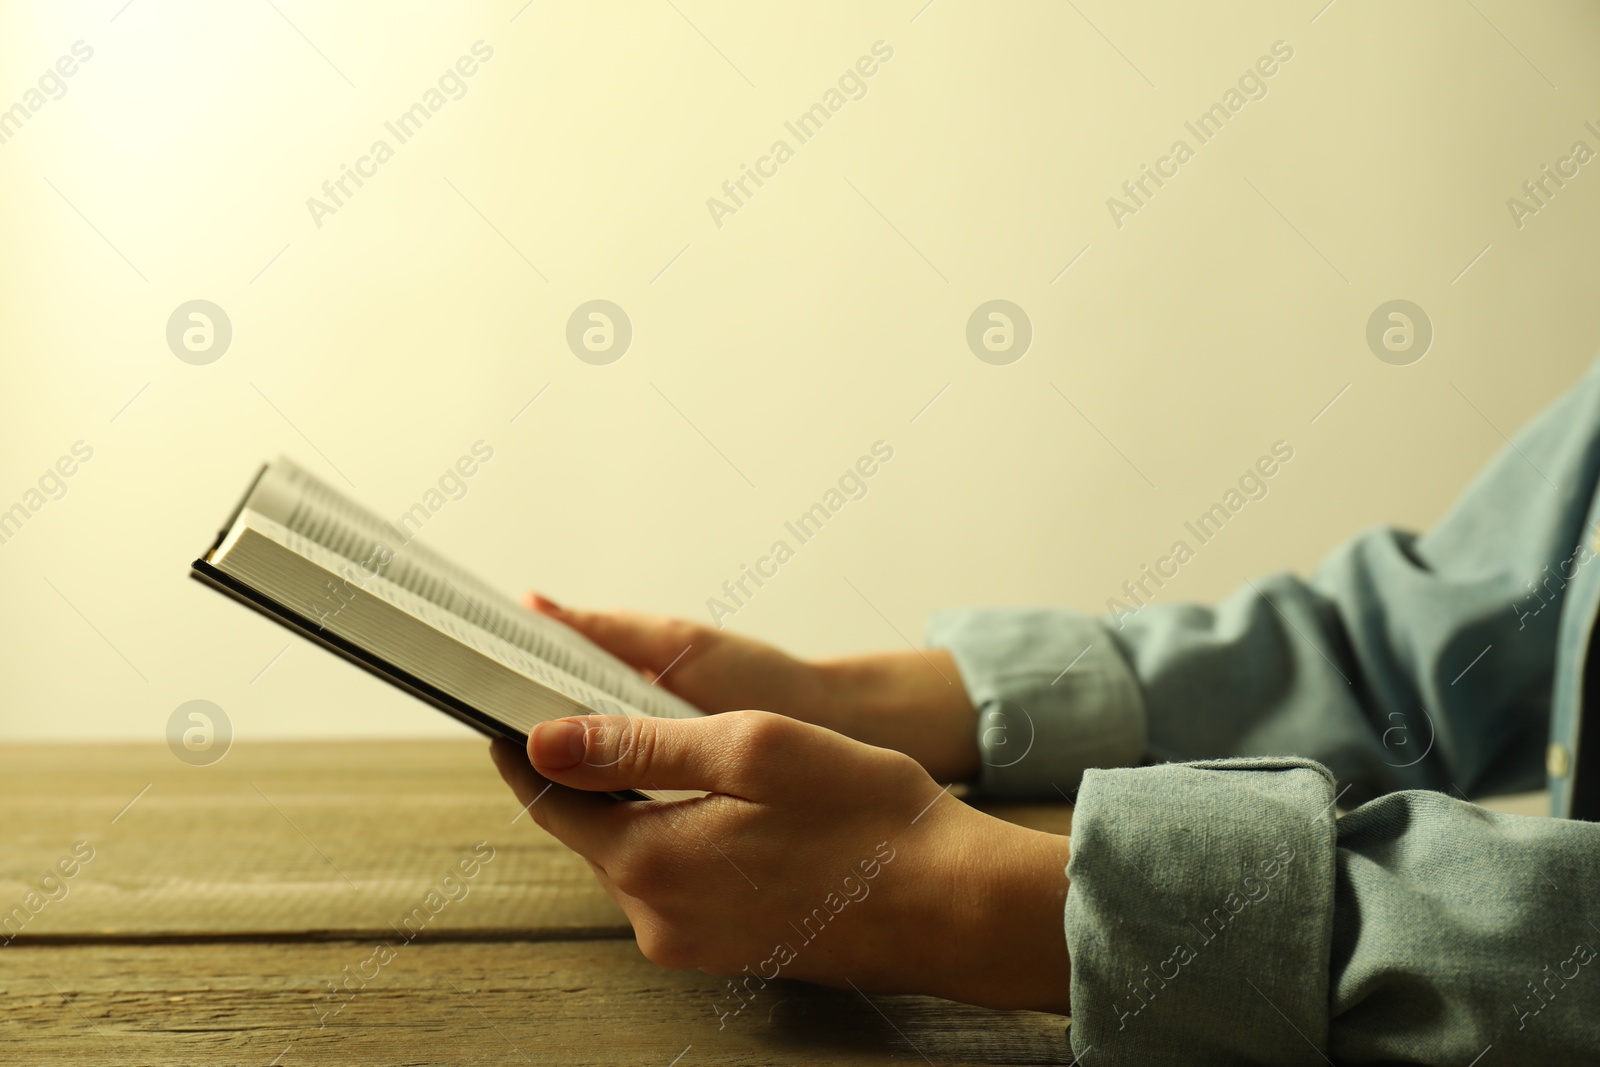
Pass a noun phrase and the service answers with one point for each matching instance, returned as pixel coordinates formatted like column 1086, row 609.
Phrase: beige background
column 823, row 316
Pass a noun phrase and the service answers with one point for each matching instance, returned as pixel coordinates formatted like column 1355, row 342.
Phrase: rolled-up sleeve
column 1355, row 666
column 1054, row 696
column 1217, row 913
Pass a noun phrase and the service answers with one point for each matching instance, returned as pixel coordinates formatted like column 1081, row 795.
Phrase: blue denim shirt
column 1219, row 911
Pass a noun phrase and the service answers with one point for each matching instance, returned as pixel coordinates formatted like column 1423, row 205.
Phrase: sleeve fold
column 1054, row 697
column 1200, row 913
column 1218, row 914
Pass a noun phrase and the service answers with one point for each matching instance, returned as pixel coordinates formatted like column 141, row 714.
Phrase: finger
column 516, row 771
column 586, row 823
column 650, row 642
column 535, row 792
column 541, row 603
column 588, row 624
column 739, row 754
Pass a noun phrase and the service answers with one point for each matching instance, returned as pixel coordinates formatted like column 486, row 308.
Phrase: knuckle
column 905, row 772
column 613, row 742
column 756, row 736
column 891, row 769
column 636, row 745
column 683, row 632
column 644, row 874
column 663, row 947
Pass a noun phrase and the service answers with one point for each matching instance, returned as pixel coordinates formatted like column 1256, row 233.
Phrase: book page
column 368, row 548
column 355, row 613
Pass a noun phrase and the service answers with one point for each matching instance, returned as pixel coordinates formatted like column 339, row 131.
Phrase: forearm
column 913, row 702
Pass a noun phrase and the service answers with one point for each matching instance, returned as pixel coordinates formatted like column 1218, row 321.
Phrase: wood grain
column 233, row 914
column 288, row 839
column 453, row 1003
column 293, row 840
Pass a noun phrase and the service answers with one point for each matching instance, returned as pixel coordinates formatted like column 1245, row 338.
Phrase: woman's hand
column 814, row 857
column 913, row 702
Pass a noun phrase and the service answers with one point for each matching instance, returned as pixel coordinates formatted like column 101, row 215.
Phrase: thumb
column 647, row 642
column 718, row 753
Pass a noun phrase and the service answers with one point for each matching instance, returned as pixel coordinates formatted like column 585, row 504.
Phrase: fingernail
column 558, row 745
column 547, row 602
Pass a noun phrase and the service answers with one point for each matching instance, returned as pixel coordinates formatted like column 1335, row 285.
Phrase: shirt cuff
column 1054, row 696
column 1199, row 916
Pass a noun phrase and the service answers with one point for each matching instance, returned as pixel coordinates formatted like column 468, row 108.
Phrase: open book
column 301, row 552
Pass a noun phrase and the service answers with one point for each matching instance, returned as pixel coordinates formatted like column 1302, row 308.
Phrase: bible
column 302, row 553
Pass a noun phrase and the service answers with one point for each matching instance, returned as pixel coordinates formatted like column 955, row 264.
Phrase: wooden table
column 254, row 912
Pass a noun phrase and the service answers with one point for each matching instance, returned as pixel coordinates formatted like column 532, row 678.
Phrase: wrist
column 1016, row 936
column 983, row 916
column 913, row 702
